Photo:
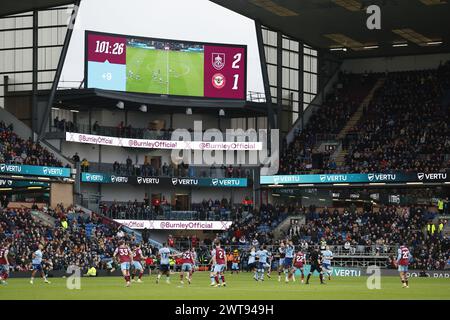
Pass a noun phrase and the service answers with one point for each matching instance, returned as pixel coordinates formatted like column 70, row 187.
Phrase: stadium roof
column 85, row 99
column 326, row 24
column 9, row 7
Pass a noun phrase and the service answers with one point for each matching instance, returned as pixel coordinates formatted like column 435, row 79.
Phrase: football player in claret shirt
column 187, row 266
column 299, row 262
column 4, row 262
column 219, row 263
column 194, row 259
column 125, row 257
column 403, row 259
column 315, row 260
column 137, row 266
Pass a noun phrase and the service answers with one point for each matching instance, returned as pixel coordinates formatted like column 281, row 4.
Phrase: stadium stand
column 325, row 123
column 85, row 241
column 355, row 116
column 388, row 136
column 15, row 150
column 207, row 210
column 256, row 227
column 375, row 232
column 89, row 240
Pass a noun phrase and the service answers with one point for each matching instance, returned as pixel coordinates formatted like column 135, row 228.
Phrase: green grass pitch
column 239, row 287
column 164, row 72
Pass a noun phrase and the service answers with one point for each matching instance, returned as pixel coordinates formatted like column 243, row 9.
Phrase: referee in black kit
column 315, row 260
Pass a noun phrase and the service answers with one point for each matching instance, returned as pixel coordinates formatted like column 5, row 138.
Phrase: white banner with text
column 175, row 224
column 162, row 144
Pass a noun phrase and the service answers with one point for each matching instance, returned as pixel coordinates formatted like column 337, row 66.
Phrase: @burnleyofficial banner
column 162, row 144
column 414, row 177
column 35, row 170
column 165, row 181
column 175, row 224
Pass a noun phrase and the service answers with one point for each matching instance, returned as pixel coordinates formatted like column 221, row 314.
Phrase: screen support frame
column 62, row 59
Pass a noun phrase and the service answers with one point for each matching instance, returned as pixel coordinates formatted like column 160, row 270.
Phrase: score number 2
column 237, row 58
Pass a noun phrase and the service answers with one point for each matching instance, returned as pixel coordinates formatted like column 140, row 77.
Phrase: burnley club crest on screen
column 218, row 60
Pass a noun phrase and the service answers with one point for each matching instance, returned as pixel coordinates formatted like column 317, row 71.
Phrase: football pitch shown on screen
column 239, row 287
column 164, row 72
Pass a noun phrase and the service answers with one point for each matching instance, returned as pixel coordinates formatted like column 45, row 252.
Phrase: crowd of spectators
column 64, row 125
column 213, row 209
column 157, row 169
column 374, row 232
column 325, row 123
column 132, row 210
column 182, row 170
column 122, row 130
column 15, row 150
column 148, row 169
column 153, row 131
column 405, row 127
column 89, row 240
column 254, row 227
column 207, row 210
column 85, row 241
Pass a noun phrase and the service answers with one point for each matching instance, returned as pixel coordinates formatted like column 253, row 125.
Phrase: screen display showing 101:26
column 165, row 67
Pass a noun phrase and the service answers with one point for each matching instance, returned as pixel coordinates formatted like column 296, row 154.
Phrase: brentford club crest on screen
column 218, row 61
column 218, row 81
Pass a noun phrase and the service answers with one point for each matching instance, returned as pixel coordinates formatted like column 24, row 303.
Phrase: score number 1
column 237, row 58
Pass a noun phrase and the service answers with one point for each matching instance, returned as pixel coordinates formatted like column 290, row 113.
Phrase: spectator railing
column 364, row 251
column 125, row 132
column 122, row 132
column 340, row 257
column 139, row 211
column 151, row 171
column 325, row 137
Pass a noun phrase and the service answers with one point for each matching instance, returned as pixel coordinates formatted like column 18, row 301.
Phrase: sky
column 195, row 20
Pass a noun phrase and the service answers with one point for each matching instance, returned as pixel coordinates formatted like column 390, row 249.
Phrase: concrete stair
column 359, row 112
column 43, row 218
column 340, row 158
column 25, row 132
column 285, row 224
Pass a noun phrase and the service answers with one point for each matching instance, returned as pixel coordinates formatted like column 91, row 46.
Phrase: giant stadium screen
column 165, row 67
